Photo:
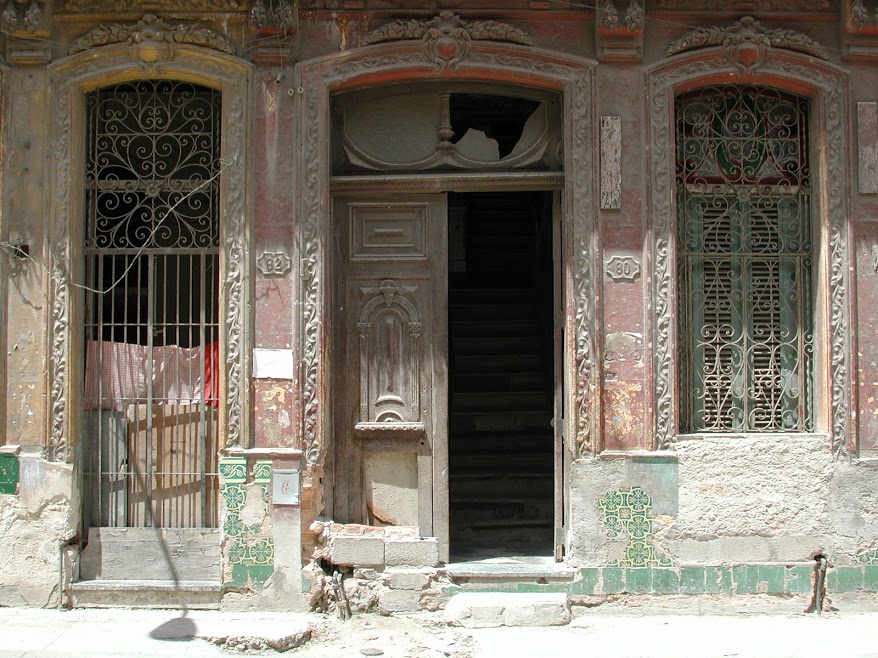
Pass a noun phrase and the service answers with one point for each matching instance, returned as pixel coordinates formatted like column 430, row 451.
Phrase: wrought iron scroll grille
column 744, row 258
column 151, row 323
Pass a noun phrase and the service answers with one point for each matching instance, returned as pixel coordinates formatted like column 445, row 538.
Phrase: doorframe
column 411, row 61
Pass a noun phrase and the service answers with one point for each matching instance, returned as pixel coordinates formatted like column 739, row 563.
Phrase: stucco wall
column 33, row 525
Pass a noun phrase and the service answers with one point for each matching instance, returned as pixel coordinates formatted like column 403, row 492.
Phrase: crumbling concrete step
column 185, row 594
column 489, row 610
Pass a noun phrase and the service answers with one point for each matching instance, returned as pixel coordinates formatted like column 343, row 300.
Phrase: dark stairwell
column 501, row 356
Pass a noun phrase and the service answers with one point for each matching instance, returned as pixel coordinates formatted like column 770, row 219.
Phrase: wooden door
column 388, row 371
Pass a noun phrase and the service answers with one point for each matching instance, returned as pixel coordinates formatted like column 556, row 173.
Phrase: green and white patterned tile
column 233, row 470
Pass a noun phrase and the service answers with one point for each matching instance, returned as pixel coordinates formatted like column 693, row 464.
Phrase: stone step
column 184, row 594
column 492, row 329
column 473, row 511
column 493, row 295
column 495, row 346
column 494, row 443
column 502, row 462
column 490, row 311
column 511, row 401
column 516, row 487
column 490, row 610
column 496, row 421
column 498, row 383
column 497, row 364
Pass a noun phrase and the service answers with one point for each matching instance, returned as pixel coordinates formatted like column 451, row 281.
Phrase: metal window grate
column 151, row 321
column 744, row 250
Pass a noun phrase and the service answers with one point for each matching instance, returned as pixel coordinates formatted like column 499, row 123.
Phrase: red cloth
column 120, row 374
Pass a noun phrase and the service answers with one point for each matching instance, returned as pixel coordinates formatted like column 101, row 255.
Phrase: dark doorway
column 500, row 313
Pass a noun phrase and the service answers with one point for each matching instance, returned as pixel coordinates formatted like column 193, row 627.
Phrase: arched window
column 152, row 303
column 744, row 251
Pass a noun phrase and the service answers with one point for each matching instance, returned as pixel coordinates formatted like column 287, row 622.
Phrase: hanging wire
column 16, row 251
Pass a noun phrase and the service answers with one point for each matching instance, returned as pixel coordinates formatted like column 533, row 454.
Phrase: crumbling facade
column 372, row 289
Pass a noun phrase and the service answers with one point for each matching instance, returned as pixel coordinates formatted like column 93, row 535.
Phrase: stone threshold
column 195, row 594
column 509, row 570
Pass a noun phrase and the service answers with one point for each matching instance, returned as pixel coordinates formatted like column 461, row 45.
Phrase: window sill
column 785, row 436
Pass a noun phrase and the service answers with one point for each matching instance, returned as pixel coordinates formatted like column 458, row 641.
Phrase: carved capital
column 151, row 39
column 22, row 16
column 620, row 37
column 274, row 16
column 446, row 38
column 747, row 44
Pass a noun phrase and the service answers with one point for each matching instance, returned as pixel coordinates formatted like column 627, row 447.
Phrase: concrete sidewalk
column 620, row 630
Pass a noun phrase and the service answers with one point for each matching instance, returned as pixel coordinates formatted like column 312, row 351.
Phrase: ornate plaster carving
column 829, row 102
column 611, row 19
column 570, row 75
column 747, row 44
column 743, row 5
column 69, row 77
column 151, row 5
column 447, row 38
column 151, row 39
column 22, row 15
column 273, row 15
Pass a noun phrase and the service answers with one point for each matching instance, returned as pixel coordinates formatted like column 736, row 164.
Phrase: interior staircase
column 500, row 438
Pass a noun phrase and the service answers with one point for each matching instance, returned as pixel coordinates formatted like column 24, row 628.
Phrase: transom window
column 744, row 248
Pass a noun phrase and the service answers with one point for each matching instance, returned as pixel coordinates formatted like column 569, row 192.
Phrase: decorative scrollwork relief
column 571, row 76
column 747, row 44
column 828, row 101
column 151, row 39
column 22, row 16
column 106, row 6
column 68, row 125
column 446, row 38
column 390, row 359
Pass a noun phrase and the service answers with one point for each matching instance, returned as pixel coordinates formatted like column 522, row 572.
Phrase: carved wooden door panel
column 389, row 371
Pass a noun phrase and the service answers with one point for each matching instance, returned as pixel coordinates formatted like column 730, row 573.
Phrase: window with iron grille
column 744, row 260
column 151, row 249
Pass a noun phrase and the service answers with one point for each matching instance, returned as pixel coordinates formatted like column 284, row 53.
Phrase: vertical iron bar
column 150, row 374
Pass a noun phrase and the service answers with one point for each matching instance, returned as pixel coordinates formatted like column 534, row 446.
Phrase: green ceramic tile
column 588, row 579
column 255, row 576
column 262, row 471
column 870, row 578
column 665, row 581
column 638, row 580
column 718, row 580
column 233, row 469
column 692, row 580
column 799, row 579
column 613, row 581
column 849, row 579
column 745, row 579
column 773, row 577
column 831, row 581
column 9, row 473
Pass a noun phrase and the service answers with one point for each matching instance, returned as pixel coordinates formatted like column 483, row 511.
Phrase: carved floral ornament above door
column 151, row 39
column 447, row 38
column 746, row 44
